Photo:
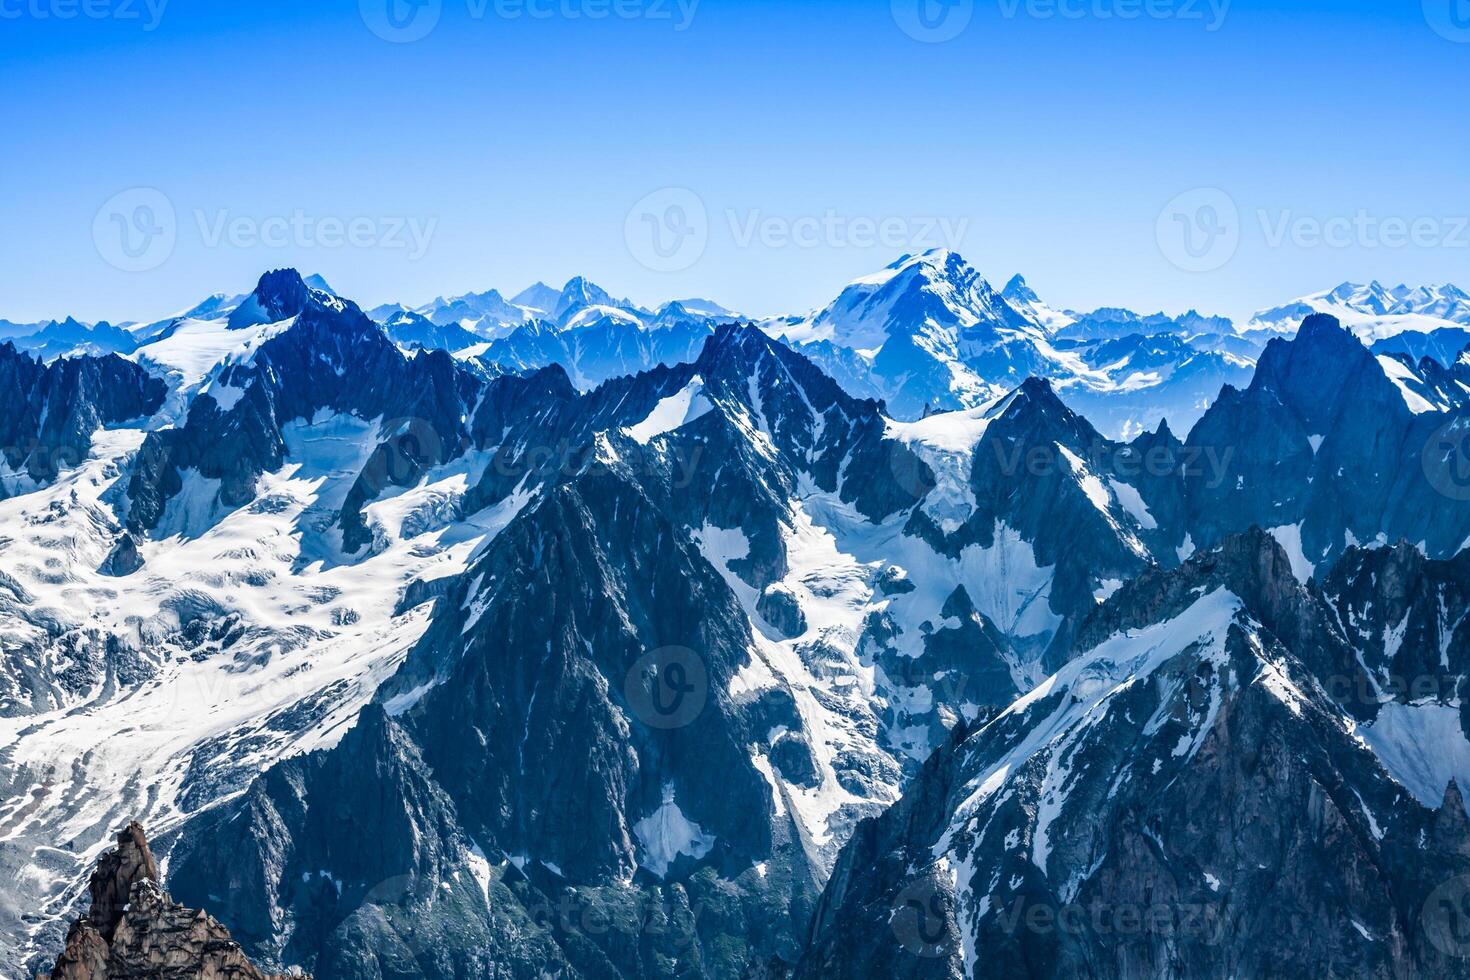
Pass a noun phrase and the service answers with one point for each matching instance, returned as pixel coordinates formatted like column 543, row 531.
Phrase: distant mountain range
column 926, row 334
column 1373, row 312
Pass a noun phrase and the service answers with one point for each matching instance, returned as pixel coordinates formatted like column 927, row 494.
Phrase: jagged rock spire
column 134, row 931
column 119, row 870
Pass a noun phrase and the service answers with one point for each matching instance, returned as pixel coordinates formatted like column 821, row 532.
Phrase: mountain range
column 927, row 334
column 905, row 638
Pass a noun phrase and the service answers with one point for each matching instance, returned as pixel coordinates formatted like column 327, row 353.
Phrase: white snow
column 955, row 433
column 1403, row 378
column 319, row 626
column 679, row 409
column 1371, row 312
column 1091, row 485
column 198, row 348
column 666, row 834
column 1289, row 536
column 946, row 443
column 1131, row 501
column 1422, row 747
column 594, row 314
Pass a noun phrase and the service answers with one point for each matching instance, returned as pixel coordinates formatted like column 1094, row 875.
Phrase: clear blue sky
column 1054, row 136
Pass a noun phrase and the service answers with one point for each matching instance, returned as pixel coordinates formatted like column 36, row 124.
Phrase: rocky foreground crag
column 134, row 931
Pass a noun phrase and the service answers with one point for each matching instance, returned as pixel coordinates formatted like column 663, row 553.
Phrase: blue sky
column 786, row 147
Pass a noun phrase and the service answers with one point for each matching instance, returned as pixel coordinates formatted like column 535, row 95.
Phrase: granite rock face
column 1187, row 797
column 134, row 931
column 1335, row 445
column 50, row 412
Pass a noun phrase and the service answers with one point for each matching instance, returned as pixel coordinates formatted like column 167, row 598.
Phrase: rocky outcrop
column 49, row 412
column 134, row 931
column 111, row 887
column 779, row 607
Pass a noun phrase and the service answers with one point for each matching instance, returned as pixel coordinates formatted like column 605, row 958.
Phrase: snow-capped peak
column 1024, row 299
column 1373, row 311
column 280, row 295
column 936, row 289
